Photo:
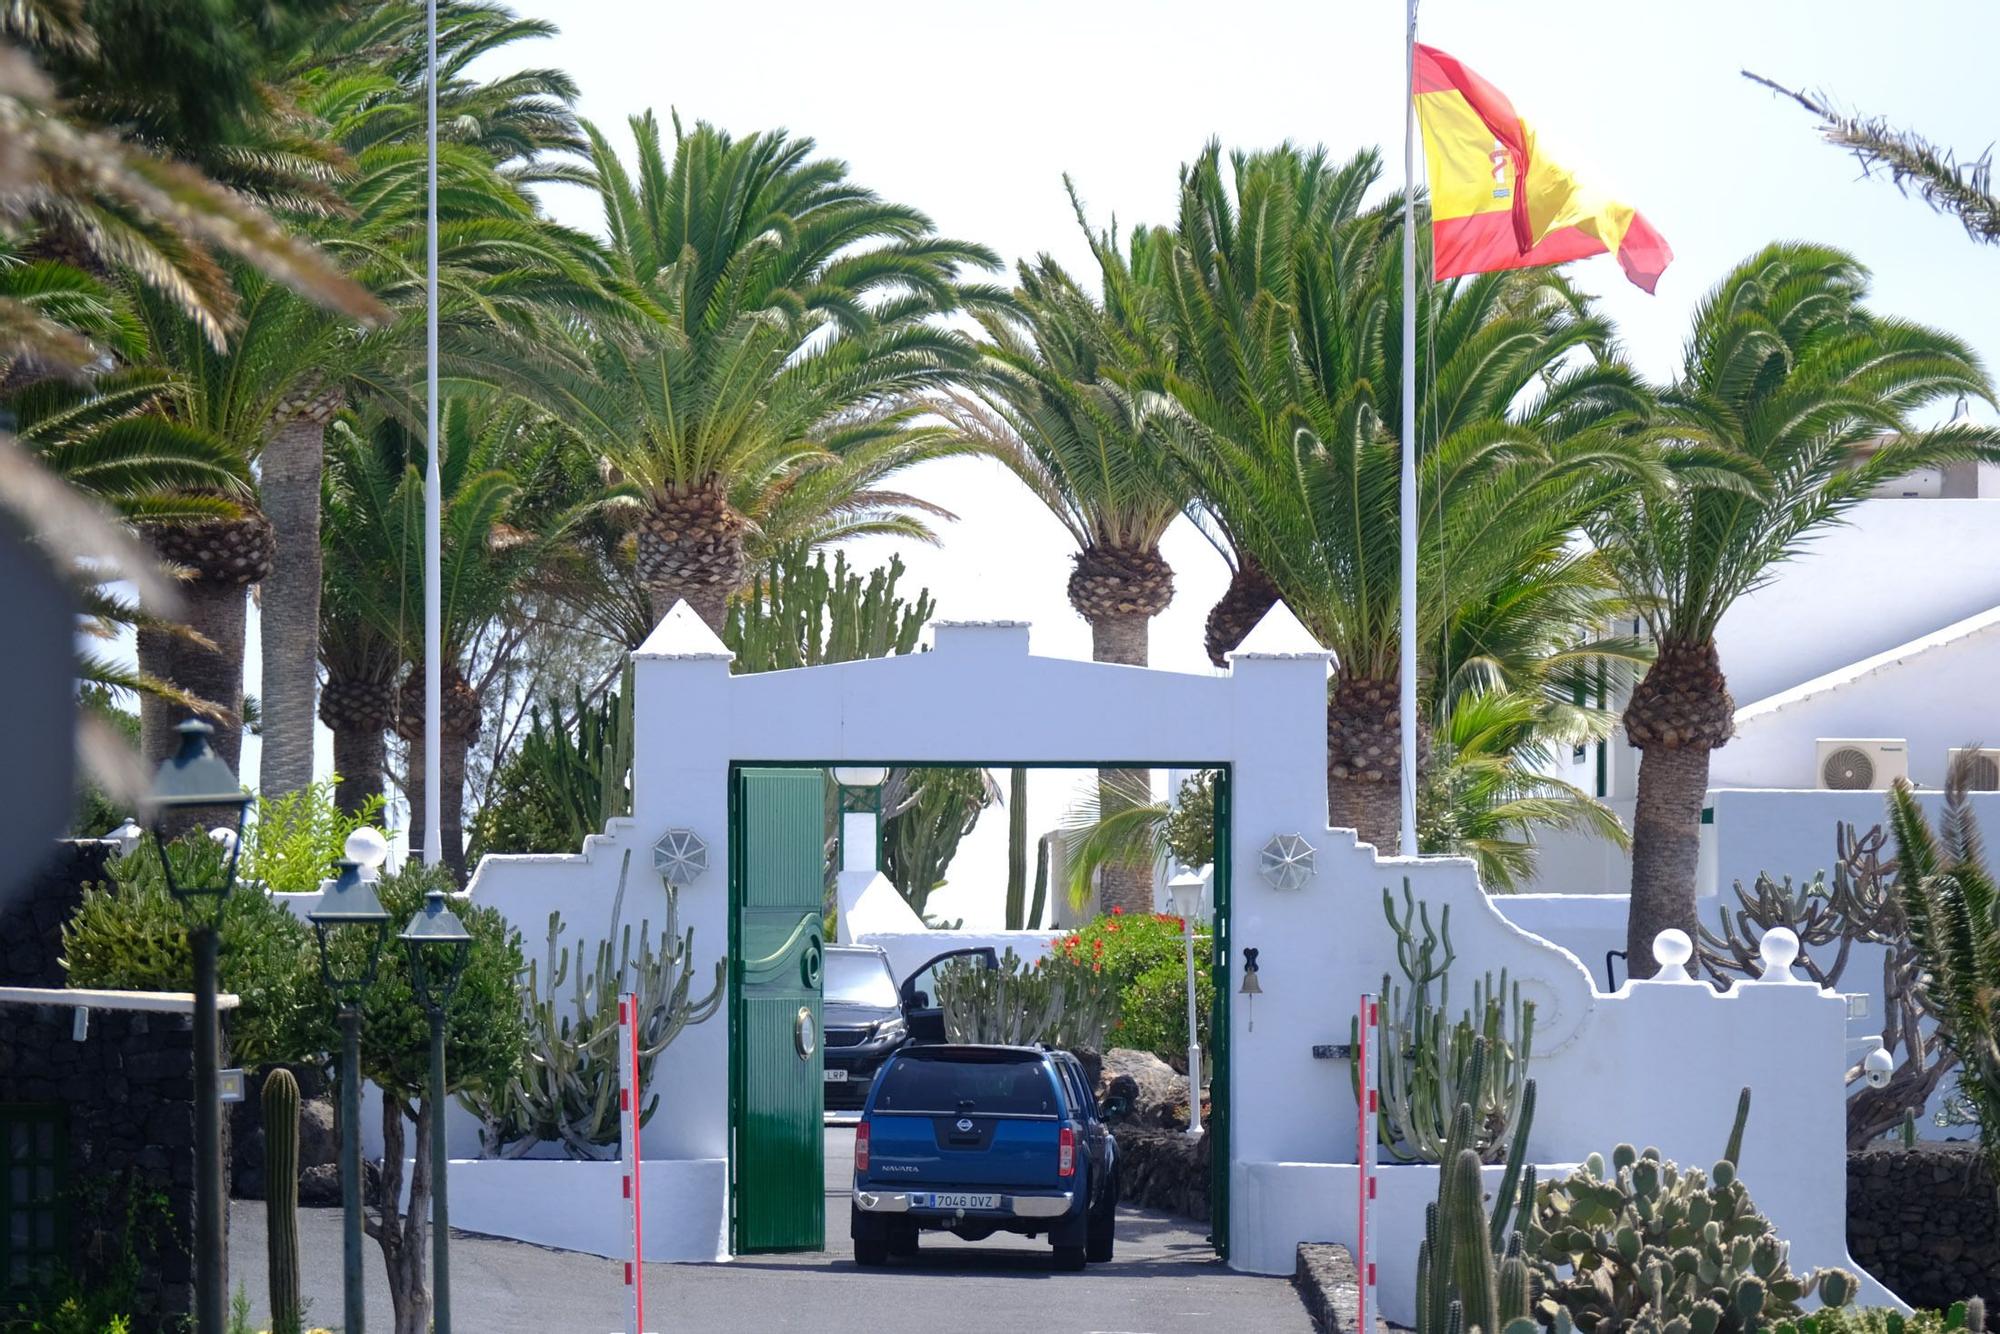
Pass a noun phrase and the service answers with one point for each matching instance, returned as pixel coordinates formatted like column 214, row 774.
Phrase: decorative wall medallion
column 1287, row 861
column 680, row 857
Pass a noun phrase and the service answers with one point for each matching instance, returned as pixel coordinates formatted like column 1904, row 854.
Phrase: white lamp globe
column 367, row 848
column 1185, row 892
column 223, row 838
column 860, row 775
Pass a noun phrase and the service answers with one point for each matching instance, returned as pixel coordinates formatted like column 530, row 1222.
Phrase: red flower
column 1117, row 911
column 1100, row 947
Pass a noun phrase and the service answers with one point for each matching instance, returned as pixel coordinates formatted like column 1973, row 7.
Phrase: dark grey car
column 863, row 1021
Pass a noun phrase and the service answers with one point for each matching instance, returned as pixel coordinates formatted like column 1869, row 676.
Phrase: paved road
column 1165, row 1281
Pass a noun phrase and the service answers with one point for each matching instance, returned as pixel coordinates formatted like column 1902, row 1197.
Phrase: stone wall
column 1163, row 1169
column 31, row 919
column 1926, row 1222
column 127, row 1095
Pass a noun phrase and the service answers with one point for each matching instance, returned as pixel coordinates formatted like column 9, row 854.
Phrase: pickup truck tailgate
column 912, row 1150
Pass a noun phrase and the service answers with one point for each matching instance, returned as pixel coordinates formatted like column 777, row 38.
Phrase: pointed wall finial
column 683, row 636
column 1280, row 635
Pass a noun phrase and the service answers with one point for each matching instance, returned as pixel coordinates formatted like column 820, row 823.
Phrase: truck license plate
column 965, row 1201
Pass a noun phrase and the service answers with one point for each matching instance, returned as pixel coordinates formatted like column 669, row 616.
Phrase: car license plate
column 965, row 1201
column 834, row 1076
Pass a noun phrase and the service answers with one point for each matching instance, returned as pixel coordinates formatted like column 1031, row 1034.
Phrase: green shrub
column 131, row 935
column 484, row 1031
column 1887, row 1320
column 1144, row 956
column 293, row 841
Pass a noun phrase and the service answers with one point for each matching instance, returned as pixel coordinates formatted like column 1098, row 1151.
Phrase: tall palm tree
column 486, row 560
column 1286, row 292
column 1064, row 404
column 1794, row 401
column 782, row 324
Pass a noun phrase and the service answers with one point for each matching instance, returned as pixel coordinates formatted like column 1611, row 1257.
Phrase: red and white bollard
column 628, row 1113
column 1365, row 1059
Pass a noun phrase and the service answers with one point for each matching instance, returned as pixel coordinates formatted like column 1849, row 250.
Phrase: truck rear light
column 861, row 1147
column 1066, row 1153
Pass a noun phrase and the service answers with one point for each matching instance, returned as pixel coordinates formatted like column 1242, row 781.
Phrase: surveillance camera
column 1876, row 1068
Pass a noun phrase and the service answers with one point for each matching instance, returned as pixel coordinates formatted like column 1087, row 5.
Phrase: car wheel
column 1103, row 1235
column 903, row 1240
column 871, row 1252
column 1070, row 1257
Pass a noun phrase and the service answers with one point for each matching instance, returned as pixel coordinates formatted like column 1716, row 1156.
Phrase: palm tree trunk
column 1666, row 847
column 212, row 672
column 1125, row 886
column 451, row 799
column 360, row 754
column 1373, row 809
column 1680, row 711
column 288, row 608
column 691, row 550
column 413, row 784
column 1364, row 757
column 1235, row 614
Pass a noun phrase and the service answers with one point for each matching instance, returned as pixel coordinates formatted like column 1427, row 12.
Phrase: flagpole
column 433, row 489
column 1408, row 603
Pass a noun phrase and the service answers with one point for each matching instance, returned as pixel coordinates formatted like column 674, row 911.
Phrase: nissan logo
column 964, row 1125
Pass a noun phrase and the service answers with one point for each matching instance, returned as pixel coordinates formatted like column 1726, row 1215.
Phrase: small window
column 33, row 1228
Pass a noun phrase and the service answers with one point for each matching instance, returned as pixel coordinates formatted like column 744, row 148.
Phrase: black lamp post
column 350, row 902
column 196, row 778
column 438, row 943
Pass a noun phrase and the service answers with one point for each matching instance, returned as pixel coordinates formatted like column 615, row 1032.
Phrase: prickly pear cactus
column 1644, row 1244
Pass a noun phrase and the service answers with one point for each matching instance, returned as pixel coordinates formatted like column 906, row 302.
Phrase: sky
column 973, row 112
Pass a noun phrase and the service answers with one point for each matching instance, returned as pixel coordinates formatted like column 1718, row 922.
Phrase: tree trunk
column 360, row 754
column 216, row 612
column 1666, row 845
column 690, row 548
column 1123, row 885
column 288, row 609
column 1017, row 849
column 1372, row 808
column 413, row 788
column 404, row 1235
column 1235, row 614
column 451, row 799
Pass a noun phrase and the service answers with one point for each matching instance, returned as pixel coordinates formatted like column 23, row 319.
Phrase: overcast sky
column 973, row 111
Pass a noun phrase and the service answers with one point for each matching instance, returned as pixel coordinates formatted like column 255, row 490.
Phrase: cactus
column 281, row 1198
column 799, row 613
column 1667, row 1250
column 1017, row 848
column 1472, row 1268
column 1428, row 1062
column 567, row 1088
column 1733, row 1155
column 1041, row 880
column 1019, row 1005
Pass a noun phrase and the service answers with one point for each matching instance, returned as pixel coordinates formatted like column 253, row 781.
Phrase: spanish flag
column 1496, row 203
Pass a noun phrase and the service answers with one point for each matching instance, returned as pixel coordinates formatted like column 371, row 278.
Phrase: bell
column 1251, row 987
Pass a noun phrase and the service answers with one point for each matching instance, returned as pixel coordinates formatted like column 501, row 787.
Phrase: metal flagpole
column 433, row 489
column 1408, row 604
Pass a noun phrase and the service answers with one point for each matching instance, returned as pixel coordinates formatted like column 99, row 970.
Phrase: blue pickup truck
column 974, row 1140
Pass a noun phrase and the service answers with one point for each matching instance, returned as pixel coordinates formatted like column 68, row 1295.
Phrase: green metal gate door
column 777, row 824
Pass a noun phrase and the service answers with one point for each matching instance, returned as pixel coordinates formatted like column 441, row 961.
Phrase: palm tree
column 379, row 478
column 1794, row 401
column 782, row 325
column 1285, row 290
column 1064, row 404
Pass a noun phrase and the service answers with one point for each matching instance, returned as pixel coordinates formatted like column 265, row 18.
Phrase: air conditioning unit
column 1983, row 765
column 1862, row 764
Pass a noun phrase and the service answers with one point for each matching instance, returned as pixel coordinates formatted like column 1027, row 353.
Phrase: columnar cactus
column 1429, row 1062
column 1017, row 1004
column 281, row 1197
column 1472, row 1271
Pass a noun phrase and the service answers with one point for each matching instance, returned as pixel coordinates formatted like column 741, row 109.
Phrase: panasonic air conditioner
column 1862, row 764
column 1982, row 765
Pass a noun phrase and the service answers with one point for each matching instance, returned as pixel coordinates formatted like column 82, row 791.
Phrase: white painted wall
column 1791, row 832
column 1935, row 693
column 1661, row 1066
column 1896, row 570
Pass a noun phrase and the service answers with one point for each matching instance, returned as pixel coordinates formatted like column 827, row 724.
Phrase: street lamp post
column 350, row 901
column 1185, row 891
column 439, row 945
column 196, row 778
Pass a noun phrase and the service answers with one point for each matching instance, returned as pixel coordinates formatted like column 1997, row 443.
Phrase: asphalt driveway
column 1165, row 1279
